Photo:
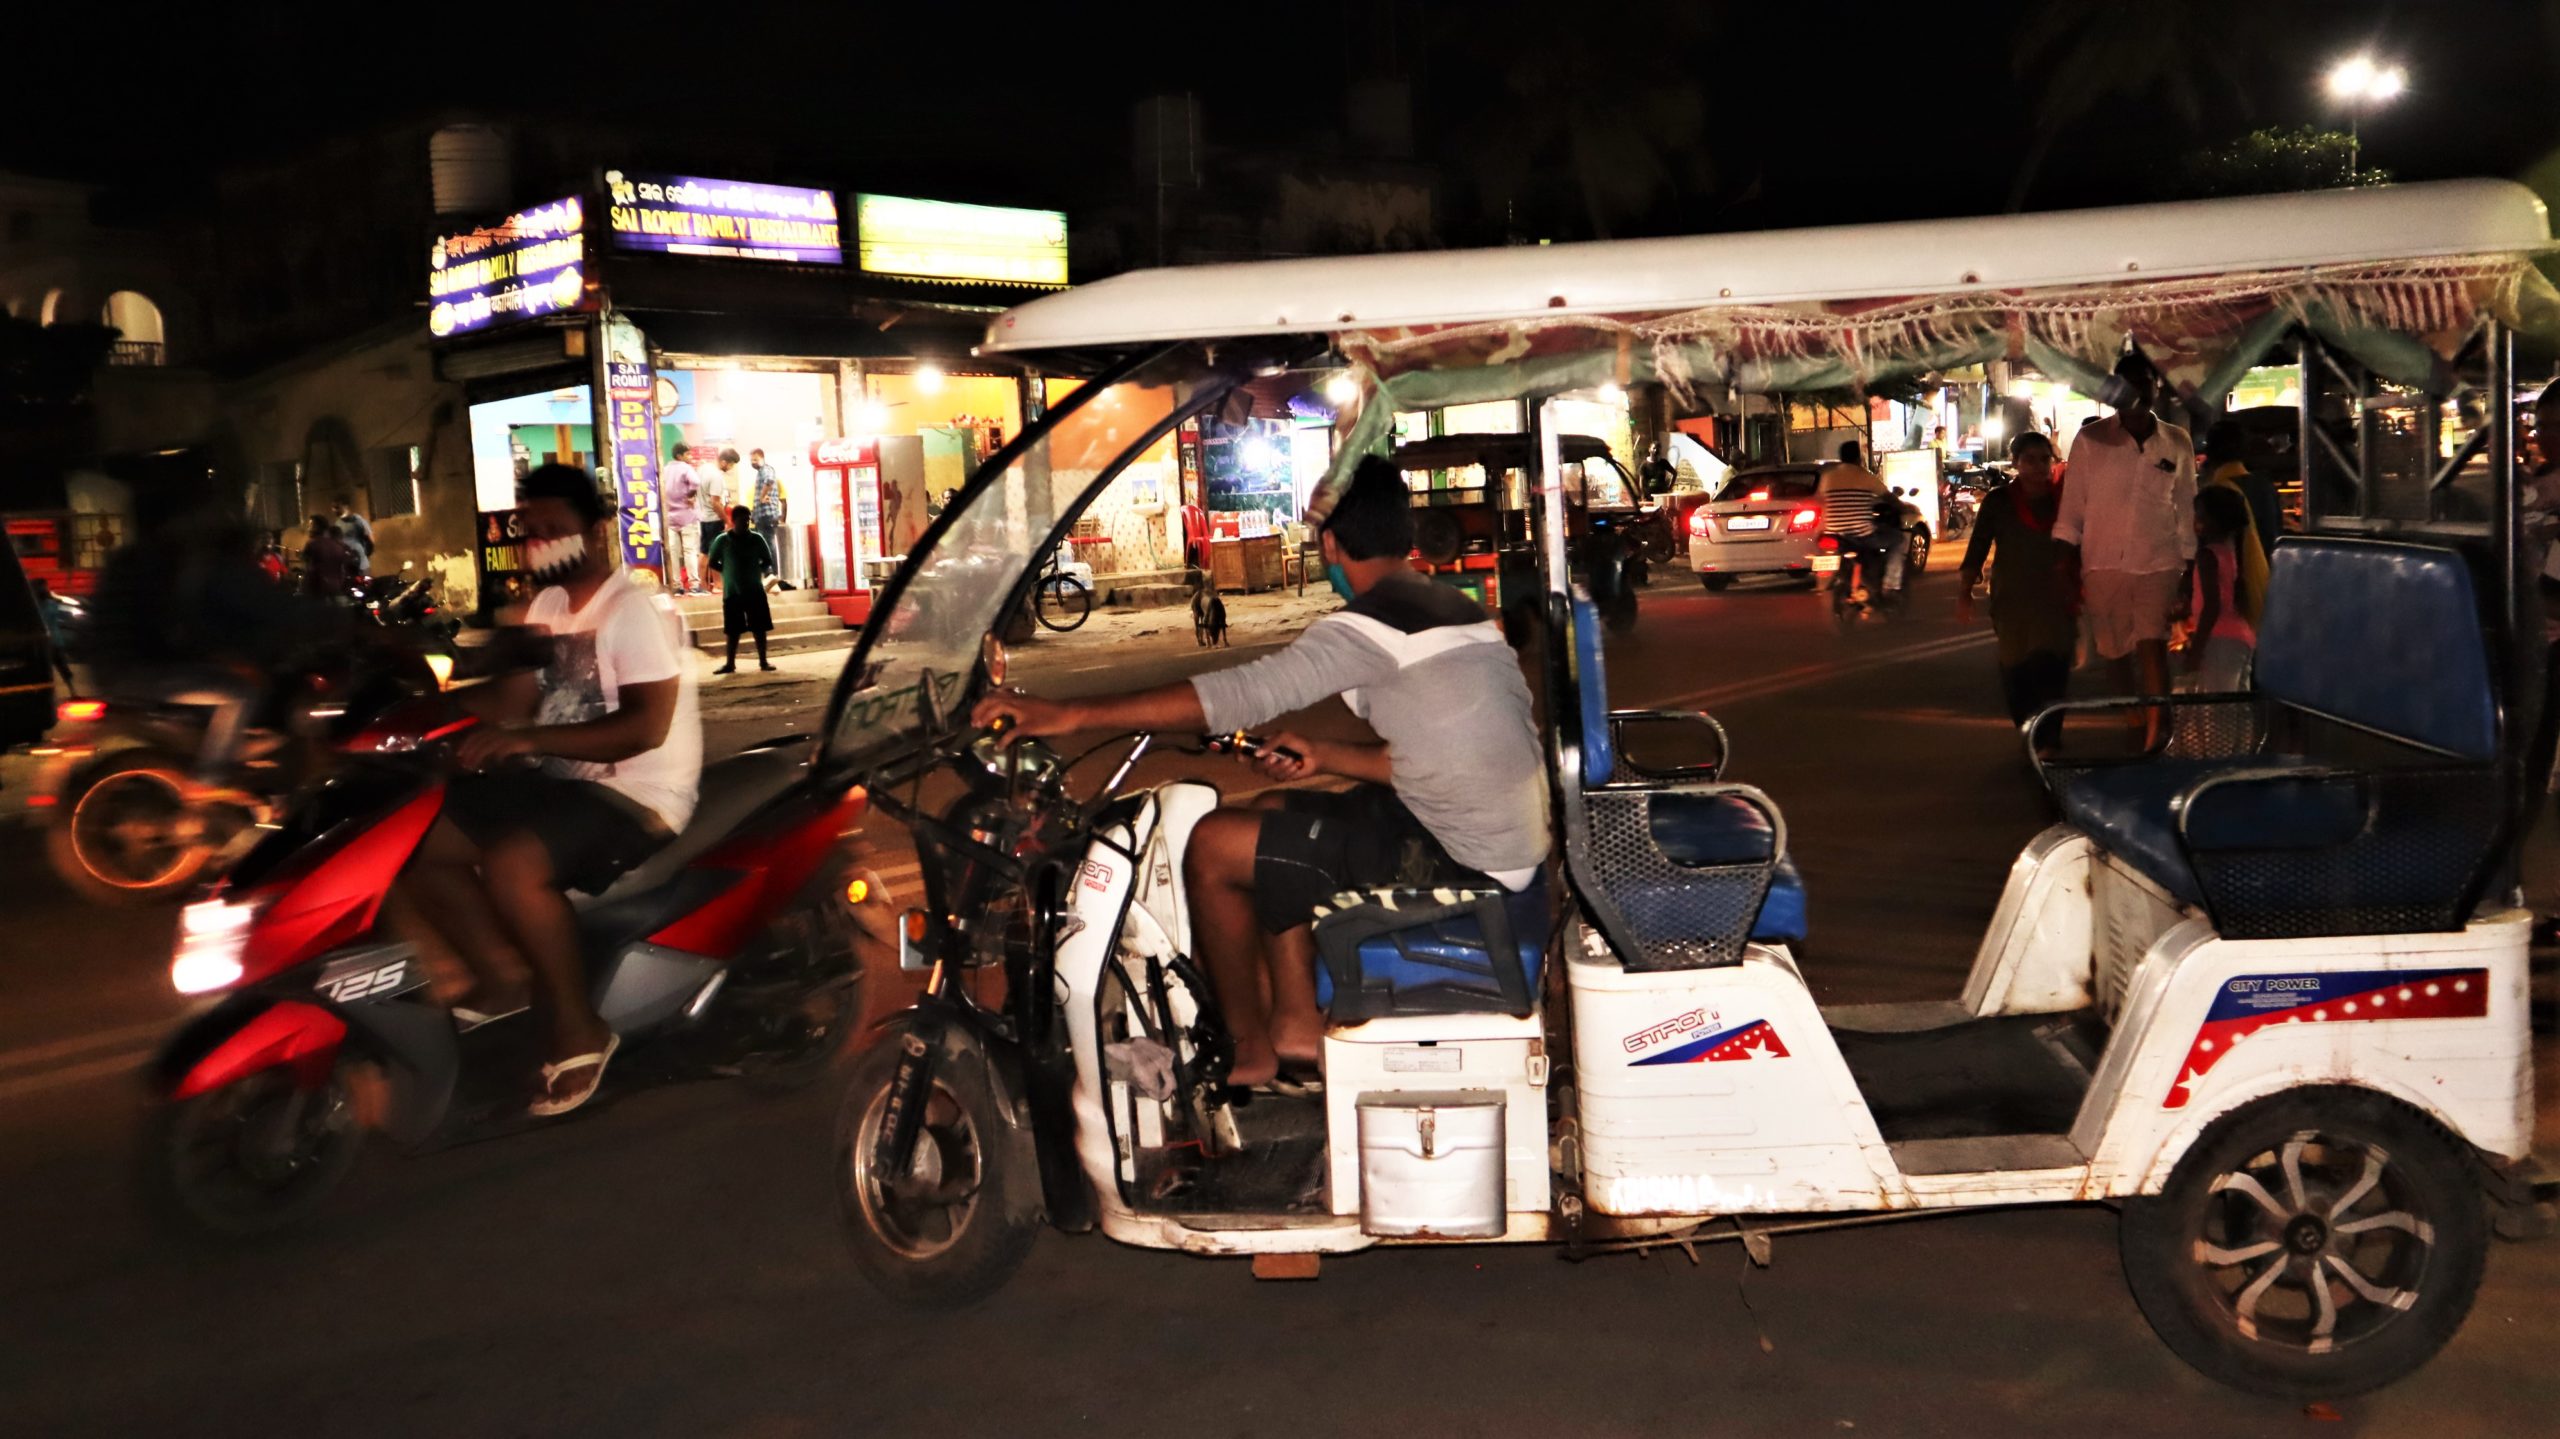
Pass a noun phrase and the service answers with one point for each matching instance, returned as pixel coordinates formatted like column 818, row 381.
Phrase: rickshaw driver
column 1454, row 791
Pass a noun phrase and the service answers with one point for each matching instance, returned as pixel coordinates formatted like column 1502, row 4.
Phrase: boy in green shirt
column 742, row 559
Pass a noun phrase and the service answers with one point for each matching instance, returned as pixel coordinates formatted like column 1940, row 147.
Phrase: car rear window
column 1778, row 484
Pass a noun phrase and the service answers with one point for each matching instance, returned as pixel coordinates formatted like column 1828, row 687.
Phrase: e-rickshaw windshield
column 921, row 651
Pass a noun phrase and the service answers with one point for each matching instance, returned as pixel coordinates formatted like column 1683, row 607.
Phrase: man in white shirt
column 613, row 723
column 2128, row 521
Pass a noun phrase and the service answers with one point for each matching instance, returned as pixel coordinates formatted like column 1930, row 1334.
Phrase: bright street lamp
column 2356, row 82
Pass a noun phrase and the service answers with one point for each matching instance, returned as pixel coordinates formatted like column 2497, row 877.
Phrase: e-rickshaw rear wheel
column 2321, row 1242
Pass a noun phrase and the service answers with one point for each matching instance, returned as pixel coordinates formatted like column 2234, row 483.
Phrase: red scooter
column 731, row 952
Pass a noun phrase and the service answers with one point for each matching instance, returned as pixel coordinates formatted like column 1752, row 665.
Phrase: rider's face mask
column 1341, row 582
column 553, row 560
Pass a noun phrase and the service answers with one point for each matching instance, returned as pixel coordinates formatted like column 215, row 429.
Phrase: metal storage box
column 1431, row 1163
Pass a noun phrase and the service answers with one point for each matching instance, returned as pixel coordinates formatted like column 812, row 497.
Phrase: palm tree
column 2084, row 54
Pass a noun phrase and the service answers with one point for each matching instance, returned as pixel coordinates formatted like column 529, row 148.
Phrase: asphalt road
column 668, row 1264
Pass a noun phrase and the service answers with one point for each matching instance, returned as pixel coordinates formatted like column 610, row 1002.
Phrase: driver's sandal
column 556, row 1104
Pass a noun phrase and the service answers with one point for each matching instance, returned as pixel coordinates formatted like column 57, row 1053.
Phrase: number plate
column 1826, row 564
column 1747, row 522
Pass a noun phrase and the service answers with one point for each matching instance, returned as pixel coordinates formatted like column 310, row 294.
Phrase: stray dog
column 1208, row 614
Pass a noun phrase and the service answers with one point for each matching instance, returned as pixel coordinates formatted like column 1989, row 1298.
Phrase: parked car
column 1764, row 521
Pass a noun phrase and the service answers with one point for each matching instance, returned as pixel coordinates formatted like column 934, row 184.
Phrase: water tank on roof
column 472, row 169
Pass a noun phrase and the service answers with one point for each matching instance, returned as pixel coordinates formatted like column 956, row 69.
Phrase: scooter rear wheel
column 962, row 1218
column 123, row 831
column 253, row 1156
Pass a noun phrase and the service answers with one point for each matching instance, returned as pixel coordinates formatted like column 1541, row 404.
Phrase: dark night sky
column 1823, row 113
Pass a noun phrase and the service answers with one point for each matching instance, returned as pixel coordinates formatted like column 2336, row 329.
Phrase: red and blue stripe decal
column 2253, row 1002
column 1755, row 1040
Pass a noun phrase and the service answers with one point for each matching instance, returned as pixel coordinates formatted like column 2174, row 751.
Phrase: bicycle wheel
column 1062, row 603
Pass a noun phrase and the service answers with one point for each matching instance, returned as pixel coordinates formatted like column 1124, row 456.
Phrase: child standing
column 743, row 560
column 2033, row 604
column 2221, row 604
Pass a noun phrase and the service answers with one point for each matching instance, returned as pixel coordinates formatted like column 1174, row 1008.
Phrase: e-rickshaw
column 2263, row 988
column 1481, row 539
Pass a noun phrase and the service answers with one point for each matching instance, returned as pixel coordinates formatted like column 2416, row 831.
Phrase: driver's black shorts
column 1320, row 843
column 591, row 831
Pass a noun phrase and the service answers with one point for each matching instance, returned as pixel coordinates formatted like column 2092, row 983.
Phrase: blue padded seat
column 1439, row 963
column 1702, row 830
column 2383, row 637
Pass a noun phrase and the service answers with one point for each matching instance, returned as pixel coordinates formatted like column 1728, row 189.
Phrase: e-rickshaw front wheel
column 952, row 1220
column 2318, row 1243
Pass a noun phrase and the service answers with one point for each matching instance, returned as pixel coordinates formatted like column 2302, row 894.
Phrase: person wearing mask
column 2128, row 528
column 357, row 532
column 679, row 484
column 2033, row 606
column 768, row 509
column 1453, row 792
column 328, row 562
column 615, row 738
column 743, row 559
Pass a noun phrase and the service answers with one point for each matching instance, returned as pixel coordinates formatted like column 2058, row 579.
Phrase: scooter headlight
column 212, row 937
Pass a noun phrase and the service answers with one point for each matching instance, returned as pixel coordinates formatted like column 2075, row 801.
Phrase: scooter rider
column 612, row 720
column 1454, row 790
column 1853, row 500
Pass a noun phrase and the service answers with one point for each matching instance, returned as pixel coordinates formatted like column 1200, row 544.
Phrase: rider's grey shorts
column 591, row 832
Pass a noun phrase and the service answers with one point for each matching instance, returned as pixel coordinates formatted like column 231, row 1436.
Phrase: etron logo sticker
column 1721, row 1045
column 1097, row 876
column 1690, row 1023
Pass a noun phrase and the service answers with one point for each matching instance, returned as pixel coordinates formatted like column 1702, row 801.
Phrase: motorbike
column 395, row 603
column 733, row 951
column 130, row 816
column 1853, row 585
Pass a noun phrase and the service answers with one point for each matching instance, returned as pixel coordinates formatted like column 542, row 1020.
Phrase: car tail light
column 1759, row 494
column 1804, row 519
column 1700, row 525
column 81, row 711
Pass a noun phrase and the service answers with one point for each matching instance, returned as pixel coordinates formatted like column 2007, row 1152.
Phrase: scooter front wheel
column 253, row 1156
column 950, row 1223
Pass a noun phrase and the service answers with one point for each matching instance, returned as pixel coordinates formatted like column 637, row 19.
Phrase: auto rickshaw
column 2262, row 989
column 1480, row 537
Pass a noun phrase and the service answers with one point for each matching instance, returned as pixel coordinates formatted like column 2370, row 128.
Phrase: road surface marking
column 1804, row 676
column 126, row 1062
column 35, row 1055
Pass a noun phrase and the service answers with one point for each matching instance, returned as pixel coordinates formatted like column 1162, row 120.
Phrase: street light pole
column 2356, row 82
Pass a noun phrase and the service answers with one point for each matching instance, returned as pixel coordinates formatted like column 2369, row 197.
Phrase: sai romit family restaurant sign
column 681, row 215
column 526, row 265
column 937, row 239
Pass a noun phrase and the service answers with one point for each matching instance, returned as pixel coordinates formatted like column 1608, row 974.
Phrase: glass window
column 391, row 481
column 1778, row 485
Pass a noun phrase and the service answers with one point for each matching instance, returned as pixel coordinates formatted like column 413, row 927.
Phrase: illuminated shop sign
column 680, row 215
column 935, row 239
column 524, row 266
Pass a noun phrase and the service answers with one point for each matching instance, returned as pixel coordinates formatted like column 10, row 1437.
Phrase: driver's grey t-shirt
column 1428, row 669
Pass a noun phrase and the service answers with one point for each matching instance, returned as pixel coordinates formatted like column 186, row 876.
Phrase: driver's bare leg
column 1297, row 1021
column 528, row 898
column 439, row 906
column 1218, row 867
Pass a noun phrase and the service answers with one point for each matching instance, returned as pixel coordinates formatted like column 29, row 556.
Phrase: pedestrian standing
column 357, row 533
column 769, row 508
column 2127, row 523
column 2033, row 603
column 328, row 565
column 271, row 561
column 57, row 629
column 2222, row 466
column 678, row 486
column 2223, row 603
column 743, row 559
column 722, row 487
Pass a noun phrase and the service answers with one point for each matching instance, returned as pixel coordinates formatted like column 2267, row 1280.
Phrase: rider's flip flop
column 548, row 1106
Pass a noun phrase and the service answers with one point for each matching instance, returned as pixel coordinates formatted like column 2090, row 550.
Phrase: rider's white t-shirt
column 623, row 637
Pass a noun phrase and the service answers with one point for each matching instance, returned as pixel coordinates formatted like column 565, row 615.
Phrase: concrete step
column 818, row 624
column 695, row 607
column 716, row 643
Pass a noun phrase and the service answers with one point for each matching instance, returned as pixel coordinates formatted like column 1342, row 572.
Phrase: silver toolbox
column 1431, row 1163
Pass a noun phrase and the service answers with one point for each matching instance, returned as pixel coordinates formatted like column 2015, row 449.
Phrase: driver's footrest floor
column 2010, row 1074
column 1282, row 1169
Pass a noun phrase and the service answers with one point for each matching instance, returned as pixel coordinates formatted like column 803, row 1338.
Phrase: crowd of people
column 2122, row 555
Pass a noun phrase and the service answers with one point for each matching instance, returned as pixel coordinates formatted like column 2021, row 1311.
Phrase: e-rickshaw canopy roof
column 2395, row 273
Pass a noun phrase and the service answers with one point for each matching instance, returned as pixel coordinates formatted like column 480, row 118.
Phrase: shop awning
column 908, row 333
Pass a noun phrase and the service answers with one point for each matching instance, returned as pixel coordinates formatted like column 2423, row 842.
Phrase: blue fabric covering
column 2127, row 809
column 1709, row 829
column 2387, row 636
column 1449, row 956
column 1599, row 754
column 1782, row 914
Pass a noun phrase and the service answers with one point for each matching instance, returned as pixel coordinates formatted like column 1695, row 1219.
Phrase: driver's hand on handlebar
column 1288, row 757
column 488, row 746
column 1029, row 714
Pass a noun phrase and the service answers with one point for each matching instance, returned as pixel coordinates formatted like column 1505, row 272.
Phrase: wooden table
column 1247, row 565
